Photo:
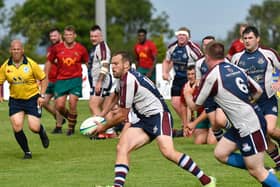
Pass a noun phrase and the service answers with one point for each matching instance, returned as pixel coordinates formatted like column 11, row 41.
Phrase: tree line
column 32, row 20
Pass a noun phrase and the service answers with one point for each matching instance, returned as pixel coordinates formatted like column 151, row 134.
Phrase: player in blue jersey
column 259, row 63
column 234, row 91
column 179, row 56
column 137, row 92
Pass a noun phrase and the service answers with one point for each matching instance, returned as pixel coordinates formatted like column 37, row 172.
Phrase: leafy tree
column 266, row 17
column 33, row 19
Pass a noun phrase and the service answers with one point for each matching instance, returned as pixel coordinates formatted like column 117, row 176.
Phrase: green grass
column 78, row 161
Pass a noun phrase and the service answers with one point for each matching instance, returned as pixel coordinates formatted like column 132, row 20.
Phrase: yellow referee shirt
column 22, row 79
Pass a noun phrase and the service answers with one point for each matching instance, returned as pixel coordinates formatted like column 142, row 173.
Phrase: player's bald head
column 16, row 42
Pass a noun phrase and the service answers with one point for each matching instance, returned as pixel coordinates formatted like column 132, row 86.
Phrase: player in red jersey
column 145, row 51
column 237, row 45
column 55, row 38
column 69, row 57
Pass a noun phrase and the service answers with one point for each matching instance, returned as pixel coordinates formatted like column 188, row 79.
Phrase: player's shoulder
column 78, row 44
column 237, row 56
column 103, row 46
column 268, row 51
column 29, row 60
column 150, row 42
column 172, row 45
column 236, row 42
column 201, row 59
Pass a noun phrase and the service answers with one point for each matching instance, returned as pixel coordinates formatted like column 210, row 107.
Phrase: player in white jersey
column 138, row 92
column 98, row 70
column 259, row 63
column 215, row 114
column 233, row 91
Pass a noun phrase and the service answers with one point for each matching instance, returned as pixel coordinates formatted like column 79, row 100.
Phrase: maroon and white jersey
column 259, row 65
column 232, row 90
column 98, row 55
column 139, row 93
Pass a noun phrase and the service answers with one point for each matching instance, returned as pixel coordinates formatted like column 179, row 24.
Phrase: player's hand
column 188, row 131
column 40, row 101
column 188, row 89
column 97, row 88
column 166, row 76
column 99, row 129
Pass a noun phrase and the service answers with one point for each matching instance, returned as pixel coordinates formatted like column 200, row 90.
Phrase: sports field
column 79, row 161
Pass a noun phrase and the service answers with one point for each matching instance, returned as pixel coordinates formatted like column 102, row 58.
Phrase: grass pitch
column 79, row 161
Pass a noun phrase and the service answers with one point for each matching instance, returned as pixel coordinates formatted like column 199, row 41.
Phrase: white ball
column 89, row 125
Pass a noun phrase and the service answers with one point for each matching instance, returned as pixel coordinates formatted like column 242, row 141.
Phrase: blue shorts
column 156, row 125
column 28, row 106
column 269, row 105
column 251, row 144
column 177, row 85
column 210, row 105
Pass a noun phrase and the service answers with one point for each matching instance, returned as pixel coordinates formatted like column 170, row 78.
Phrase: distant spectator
column 146, row 53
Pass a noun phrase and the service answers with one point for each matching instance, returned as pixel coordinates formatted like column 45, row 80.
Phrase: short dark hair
column 215, row 50
column 251, row 29
column 70, row 28
column 95, row 27
column 125, row 56
column 54, row 29
column 191, row 67
column 209, row 37
column 142, row 31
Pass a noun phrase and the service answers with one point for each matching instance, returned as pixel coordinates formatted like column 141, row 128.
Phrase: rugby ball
column 89, row 124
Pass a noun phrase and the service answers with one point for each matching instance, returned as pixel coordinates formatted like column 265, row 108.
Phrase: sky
column 202, row 17
column 205, row 17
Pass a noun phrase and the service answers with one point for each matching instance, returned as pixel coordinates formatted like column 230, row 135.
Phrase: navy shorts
column 28, row 106
column 177, row 85
column 104, row 92
column 156, row 125
column 269, row 105
column 105, row 89
column 210, row 105
column 251, row 144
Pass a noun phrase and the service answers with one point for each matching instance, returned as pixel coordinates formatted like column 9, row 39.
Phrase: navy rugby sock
column 22, row 140
column 121, row 171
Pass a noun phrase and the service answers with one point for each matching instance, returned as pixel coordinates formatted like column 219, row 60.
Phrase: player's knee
column 60, row 107
column 220, row 155
column 167, row 153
